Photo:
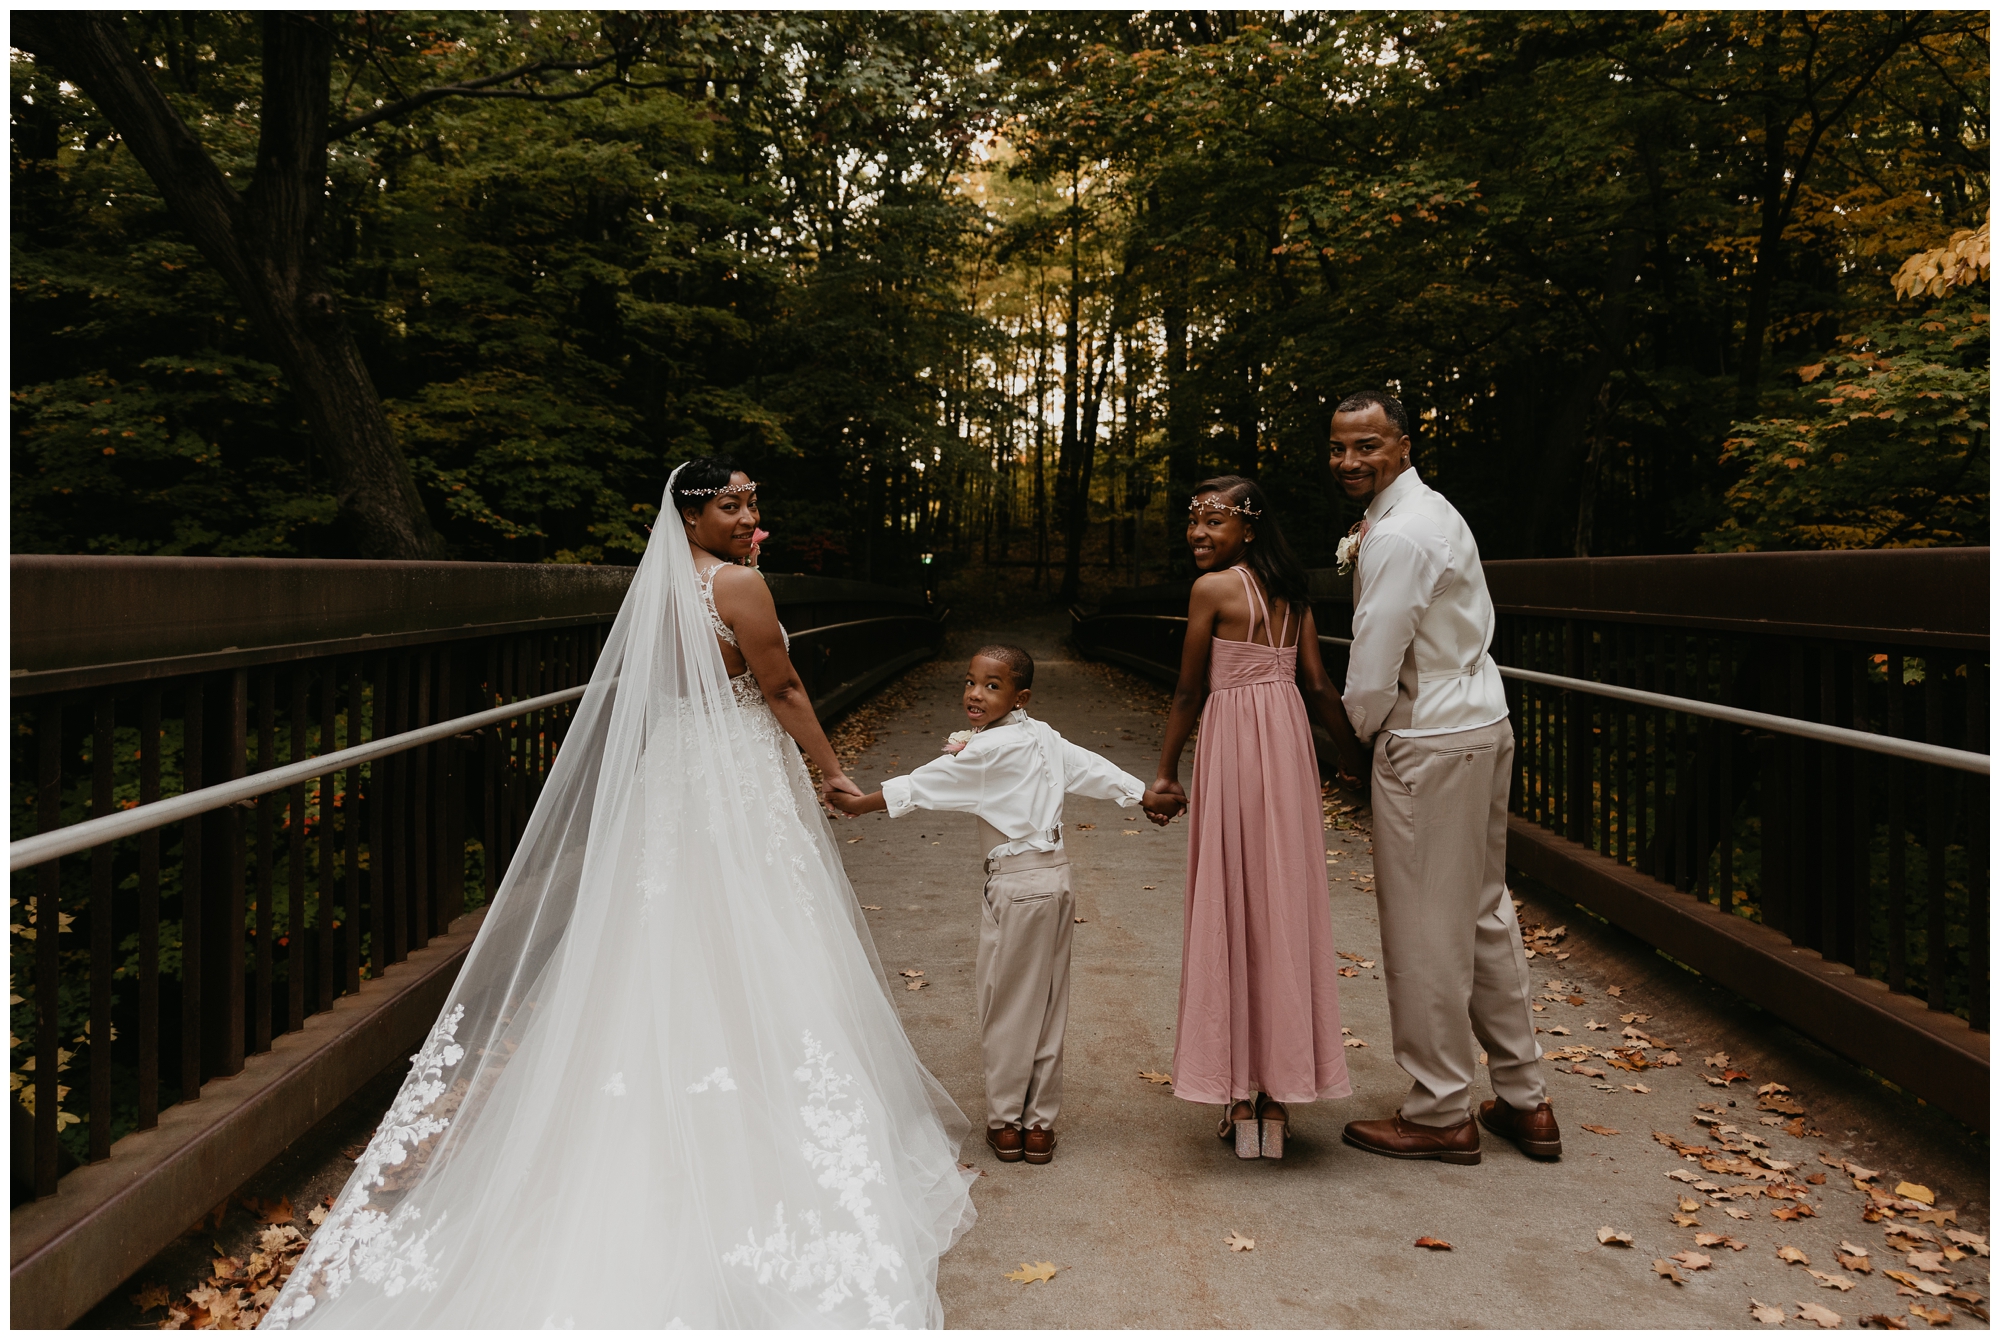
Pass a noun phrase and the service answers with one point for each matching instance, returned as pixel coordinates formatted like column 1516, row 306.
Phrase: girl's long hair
column 1268, row 555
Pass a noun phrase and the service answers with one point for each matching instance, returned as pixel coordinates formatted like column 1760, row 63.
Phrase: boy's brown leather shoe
column 1038, row 1144
column 1006, row 1143
column 1533, row 1131
column 1392, row 1137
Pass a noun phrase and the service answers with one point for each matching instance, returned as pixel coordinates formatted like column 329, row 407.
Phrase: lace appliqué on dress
column 809, row 1254
column 359, row 1241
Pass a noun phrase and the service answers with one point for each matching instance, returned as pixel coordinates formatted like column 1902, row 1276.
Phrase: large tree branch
column 90, row 47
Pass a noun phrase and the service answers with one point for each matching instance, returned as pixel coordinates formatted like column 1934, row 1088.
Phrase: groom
column 1423, row 692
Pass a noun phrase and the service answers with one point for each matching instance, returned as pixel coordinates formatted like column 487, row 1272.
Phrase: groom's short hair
column 1016, row 659
column 1391, row 407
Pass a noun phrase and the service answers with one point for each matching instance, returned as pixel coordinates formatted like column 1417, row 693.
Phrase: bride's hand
column 838, row 782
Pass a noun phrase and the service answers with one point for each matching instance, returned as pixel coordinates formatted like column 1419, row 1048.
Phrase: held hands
column 835, row 788
column 1164, row 801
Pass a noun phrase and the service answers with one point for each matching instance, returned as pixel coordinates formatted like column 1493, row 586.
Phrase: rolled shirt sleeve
column 1088, row 773
column 948, row 782
column 1393, row 583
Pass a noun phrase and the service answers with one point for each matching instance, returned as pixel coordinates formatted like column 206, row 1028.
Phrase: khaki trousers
column 1023, row 984
column 1451, row 948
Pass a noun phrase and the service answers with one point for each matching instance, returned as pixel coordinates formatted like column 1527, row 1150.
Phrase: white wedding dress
column 669, row 1087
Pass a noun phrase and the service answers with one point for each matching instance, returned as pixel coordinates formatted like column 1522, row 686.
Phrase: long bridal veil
column 669, row 1086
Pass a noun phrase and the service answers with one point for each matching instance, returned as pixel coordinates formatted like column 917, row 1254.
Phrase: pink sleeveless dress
column 1260, row 1004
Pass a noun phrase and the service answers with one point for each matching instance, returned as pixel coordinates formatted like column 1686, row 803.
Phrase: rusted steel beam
column 70, row 1250
column 1935, row 1055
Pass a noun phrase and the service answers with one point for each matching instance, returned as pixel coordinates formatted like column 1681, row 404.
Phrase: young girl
column 1259, row 1012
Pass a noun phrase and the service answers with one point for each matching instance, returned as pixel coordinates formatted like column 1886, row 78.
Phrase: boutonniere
column 957, row 740
column 1349, row 546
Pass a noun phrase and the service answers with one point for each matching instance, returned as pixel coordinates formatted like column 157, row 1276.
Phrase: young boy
column 1012, row 771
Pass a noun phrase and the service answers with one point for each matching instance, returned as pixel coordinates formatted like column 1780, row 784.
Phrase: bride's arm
column 745, row 604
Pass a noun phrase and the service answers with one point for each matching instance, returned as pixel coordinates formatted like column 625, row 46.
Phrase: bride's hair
column 1268, row 556
column 699, row 479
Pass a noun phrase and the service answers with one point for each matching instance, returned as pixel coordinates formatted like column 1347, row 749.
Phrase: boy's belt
column 1026, row 860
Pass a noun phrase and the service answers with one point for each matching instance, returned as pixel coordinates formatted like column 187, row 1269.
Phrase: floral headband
column 727, row 488
column 1195, row 504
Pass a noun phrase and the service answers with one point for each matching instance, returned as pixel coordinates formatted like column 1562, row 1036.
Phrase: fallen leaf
column 1667, row 1058
column 1028, row 1274
column 871, row 907
column 1882, row 1321
column 1794, row 1255
column 1825, row 1318
column 1936, row 1316
column 1665, row 1270
column 1600, row 1130
column 1793, row 1213
column 1917, row 1282
column 1719, row 1240
column 270, row 1212
column 1912, row 1191
column 1773, row 1103
column 916, row 985
column 1857, row 1172
column 1860, row 1265
column 1851, row 1250
column 1635, row 1088
column 1688, row 1205
column 1735, row 1213
column 1238, row 1243
column 1434, row 1244
column 1817, row 1179
column 1634, row 1018
column 1765, row 1313
column 1796, row 1128
column 1353, row 1042
column 1931, row 1263
column 1156, row 1077
column 1350, row 972
column 1965, row 1295
column 1586, row 1070
column 1593, row 1025
column 1710, row 1079
column 1694, row 1260
column 1611, row 1237
column 1576, row 1000
column 1614, row 990
column 1685, row 1221
column 1936, row 1216
column 1719, row 1060
column 852, row 841
column 152, row 1296
column 1081, row 920
column 1840, row 1282
column 1973, row 1242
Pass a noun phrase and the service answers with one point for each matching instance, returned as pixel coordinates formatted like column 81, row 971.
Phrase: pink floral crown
column 727, row 488
column 1195, row 504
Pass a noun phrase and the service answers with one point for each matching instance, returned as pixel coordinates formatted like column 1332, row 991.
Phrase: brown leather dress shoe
column 1394, row 1138
column 1038, row 1144
column 1534, row 1132
column 1005, row 1141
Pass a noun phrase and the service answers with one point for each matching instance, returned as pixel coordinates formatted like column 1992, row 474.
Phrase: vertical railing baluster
column 295, row 862
column 1804, row 927
column 103, row 924
column 264, row 891
column 1830, row 919
column 327, row 784
column 423, row 839
column 1725, row 784
column 1706, row 734
column 149, row 914
column 1895, row 775
column 398, row 805
column 1937, row 831
column 489, row 754
column 193, row 929
column 1861, row 825
column 1978, row 876
column 48, row 946
column 233, row 921
column 350, row 838
column 379, row 915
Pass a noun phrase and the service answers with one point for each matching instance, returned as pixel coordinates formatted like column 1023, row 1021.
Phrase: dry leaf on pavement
column 1936, row 1316
column 1611, row 1237
column 1156, row 1077
column 1823, row 1317
column 1685, row 1221
column 1635, row 1088
column 852, row 841
column 1029, row 1274
column 1840, row 1282
column 1719, row 1240
column 1735, row 1213
column 1860, row 1265
column 1600, row 1130
column 1434, row 1244
column 1720, row 1060
column 1931, row 1263
column 270, row 1212
column 1238, row 1243
column 1794, row 1255
column 1694, row 1260
column 1587, row 1071
column 1917, row 1282
column 1914, row 1191
column 1972, row 1242
column 1614, row 990
column 1688, row 1205
column 917, row 985
column 1350, row 972
column 152, row 1296
column 913, row 972
column 1792, row 1213
column 1595, row 1027
column 1882, row 1321
column 1764, row 1312
column 1665, row 1270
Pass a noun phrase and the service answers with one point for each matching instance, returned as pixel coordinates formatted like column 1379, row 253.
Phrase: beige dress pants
column 1023, row 985
column 1451, row 948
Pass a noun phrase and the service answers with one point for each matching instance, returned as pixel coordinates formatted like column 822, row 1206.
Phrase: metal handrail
column 44, row 847
column 1964, row 760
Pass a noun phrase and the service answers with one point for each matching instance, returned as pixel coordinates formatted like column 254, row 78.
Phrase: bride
column 669, row 1087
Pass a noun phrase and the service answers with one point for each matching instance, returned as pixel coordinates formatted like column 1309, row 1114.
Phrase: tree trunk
column 265, row 242
column 1086, row 455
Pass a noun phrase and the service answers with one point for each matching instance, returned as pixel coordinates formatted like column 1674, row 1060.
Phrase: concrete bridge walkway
column 1135, row 1211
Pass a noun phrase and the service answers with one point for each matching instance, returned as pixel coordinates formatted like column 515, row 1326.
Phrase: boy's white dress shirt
column 1422, row 621
column 1001, row 777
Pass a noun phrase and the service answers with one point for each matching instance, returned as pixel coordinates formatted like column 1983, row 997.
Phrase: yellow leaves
column 1041, row 1272
column 1962, row 260
column 1913, row 1191
column 1236, row 1242
column 1811, row 371
column 1794, row 1255
column 1433, row 1244
column 1611, row 1237
column 1156, row 1077
column 1936, row 1316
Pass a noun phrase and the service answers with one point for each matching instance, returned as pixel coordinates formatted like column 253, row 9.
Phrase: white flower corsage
column 1350, row 544
column 957, row 740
